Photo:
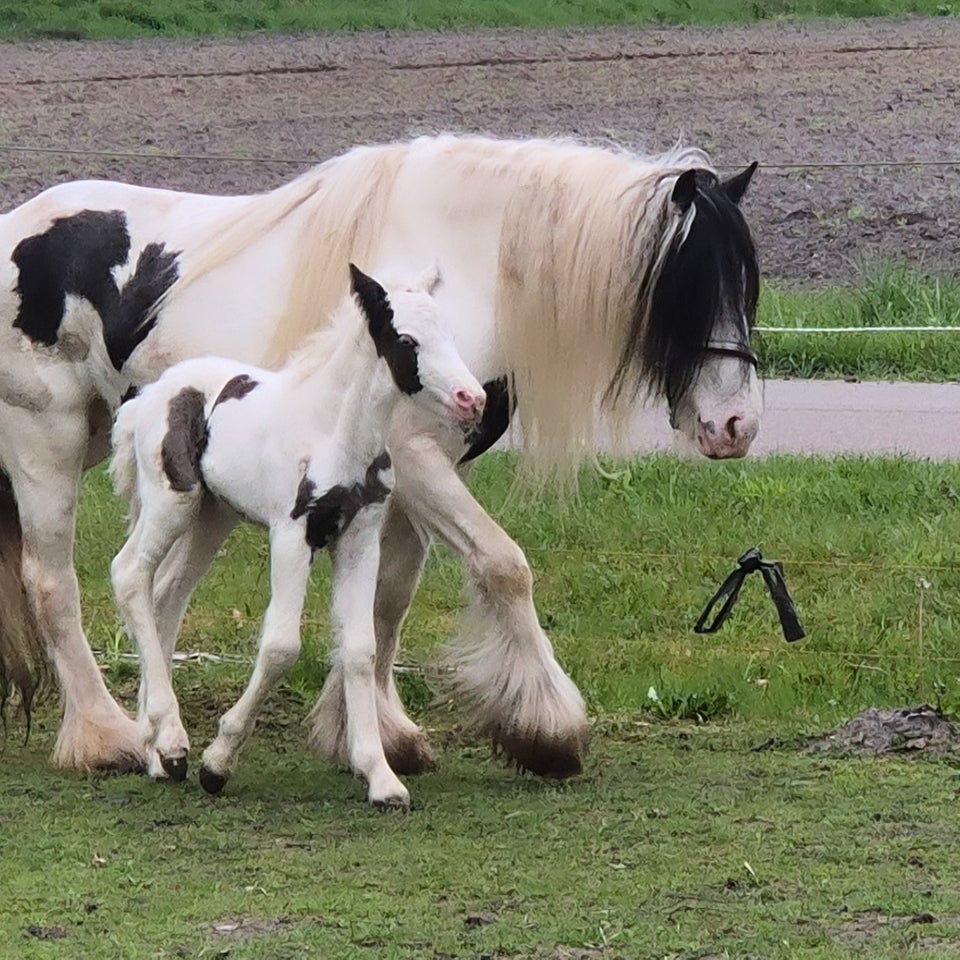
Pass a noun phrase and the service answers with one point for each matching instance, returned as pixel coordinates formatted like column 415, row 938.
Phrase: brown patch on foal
column 236, row 389
column 185, row 440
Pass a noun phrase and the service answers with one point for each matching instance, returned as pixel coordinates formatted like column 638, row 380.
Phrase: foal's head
column 418, row 347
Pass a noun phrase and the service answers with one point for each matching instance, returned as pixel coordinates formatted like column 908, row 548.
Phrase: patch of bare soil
column 859, row 930
column 905, row 730
column 819, row 94
column 248, row 928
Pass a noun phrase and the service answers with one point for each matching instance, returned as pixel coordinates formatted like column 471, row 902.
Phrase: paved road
column 834, row 417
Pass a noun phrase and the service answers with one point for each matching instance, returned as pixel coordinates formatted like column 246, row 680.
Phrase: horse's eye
column 405, row 340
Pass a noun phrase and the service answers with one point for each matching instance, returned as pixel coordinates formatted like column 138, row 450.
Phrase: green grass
column 140, row 18
column 886, row 296
column 678, row 842
column 623, row 571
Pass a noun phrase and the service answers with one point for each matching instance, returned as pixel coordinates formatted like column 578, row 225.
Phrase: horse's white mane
column 581, row 228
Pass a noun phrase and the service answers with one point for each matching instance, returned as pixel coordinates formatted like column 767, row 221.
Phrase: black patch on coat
column 185, row 440
column 709, row 277
column 76, row 256
column 331, row 513
column 235, row 389
column 399, row 350
column 496, row 418
column 126, row 328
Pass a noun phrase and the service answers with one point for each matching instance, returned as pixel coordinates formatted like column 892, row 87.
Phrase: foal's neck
column 350, row 392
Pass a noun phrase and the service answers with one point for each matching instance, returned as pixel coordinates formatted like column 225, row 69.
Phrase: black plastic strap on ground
column 772, row 573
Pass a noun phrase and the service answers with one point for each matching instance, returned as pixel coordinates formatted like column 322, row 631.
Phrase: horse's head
column 695, row 313
column 410, row 335
column 706, row 297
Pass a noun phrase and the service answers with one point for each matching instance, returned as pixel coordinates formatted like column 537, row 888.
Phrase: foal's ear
column 737, row 185
column 373, row 301
column 685, row 189
column 430, row 280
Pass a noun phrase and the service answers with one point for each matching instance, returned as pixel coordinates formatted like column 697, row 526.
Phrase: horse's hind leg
column 94, row 731
column 503, row 660
column 403, row 551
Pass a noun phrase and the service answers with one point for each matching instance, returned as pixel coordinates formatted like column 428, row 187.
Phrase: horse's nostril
column 710, row 427
column 733, row 426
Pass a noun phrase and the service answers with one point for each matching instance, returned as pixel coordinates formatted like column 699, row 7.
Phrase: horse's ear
column 430, row 279
column 737, row 185
column 373, row 301
column 685, row 189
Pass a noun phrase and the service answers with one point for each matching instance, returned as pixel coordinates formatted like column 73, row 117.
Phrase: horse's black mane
column 710, row 274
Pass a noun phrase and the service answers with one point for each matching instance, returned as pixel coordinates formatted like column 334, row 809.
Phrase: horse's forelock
column 705, row 274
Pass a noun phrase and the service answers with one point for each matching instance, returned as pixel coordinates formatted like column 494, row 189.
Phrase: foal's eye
column 405, row 340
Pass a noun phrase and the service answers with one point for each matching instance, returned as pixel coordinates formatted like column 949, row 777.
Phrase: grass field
column 140, row 18
column 680, row 841
column 624, row 570
column 885, row 296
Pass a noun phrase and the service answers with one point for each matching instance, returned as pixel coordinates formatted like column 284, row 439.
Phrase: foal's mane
column 584, row 236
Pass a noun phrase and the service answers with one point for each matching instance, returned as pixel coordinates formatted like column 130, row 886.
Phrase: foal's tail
column 123, row 466
column 24, row 668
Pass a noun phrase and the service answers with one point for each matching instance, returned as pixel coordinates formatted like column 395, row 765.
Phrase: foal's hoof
column 212, row 782
column 392, row 803
column 175, row 768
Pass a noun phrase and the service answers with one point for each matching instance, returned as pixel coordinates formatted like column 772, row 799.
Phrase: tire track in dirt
column 460, row 64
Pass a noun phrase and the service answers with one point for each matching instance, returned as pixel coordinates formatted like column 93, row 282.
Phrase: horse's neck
column 351, row 393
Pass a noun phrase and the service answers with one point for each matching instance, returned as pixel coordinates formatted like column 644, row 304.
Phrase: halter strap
column 731, row 348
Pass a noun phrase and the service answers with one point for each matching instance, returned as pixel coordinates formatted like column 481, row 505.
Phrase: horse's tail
column 24, row 668
column 123, row 465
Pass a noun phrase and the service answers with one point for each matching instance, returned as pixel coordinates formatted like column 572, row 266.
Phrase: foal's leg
column 279, row 649
column 164, row 517
column 358, row 740
column 45, row 464
column 504, row 661
column 184, row 567
column 403, row 551
column 176, row 579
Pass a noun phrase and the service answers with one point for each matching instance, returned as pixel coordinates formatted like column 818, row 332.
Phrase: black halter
column 730, row 348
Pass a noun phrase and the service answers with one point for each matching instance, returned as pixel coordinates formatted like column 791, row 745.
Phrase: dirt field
column 811, row 94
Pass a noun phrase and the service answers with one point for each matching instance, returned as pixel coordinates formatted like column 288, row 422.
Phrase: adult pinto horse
column 574, row 276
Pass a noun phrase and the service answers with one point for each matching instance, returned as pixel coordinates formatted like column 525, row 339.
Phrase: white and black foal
column 300, row 451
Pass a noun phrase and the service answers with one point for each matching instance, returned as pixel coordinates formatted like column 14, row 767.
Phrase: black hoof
column 212, row 782
column 395, row 804
column 175, row 767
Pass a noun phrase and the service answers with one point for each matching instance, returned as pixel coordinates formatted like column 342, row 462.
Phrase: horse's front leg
column 278, row 651
column 504, row 661
column 355, row 560
column 45, row 476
